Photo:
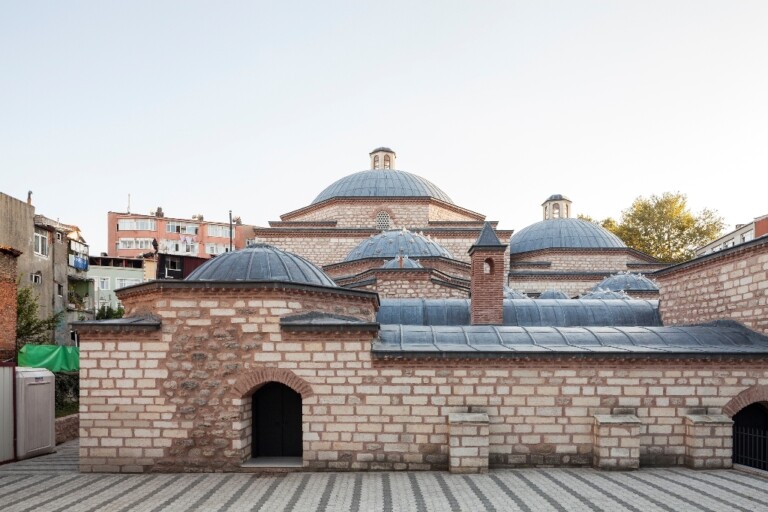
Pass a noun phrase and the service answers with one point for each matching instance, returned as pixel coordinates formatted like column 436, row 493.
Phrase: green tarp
column 53, row 357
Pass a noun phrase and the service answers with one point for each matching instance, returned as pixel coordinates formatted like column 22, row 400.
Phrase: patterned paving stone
column 52, row 484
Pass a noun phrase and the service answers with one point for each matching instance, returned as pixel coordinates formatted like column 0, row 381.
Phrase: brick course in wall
column 177, row 398
column 728, row 284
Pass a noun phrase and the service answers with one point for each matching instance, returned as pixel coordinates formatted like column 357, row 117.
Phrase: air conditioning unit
column 35, row 412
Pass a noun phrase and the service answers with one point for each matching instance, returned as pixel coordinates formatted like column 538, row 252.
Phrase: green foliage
column 67, row 393
column 108, row 312
column 30, row 328
column 664, row 227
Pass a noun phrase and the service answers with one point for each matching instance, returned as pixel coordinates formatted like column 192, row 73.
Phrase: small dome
column 628, row 282
column 556, row 197
column 395, row 243
column 260, row 262
column 405, row 263
column 599, row 293
column 382, row 183
column 563, row 233
column 553, row 294
column 509, row 293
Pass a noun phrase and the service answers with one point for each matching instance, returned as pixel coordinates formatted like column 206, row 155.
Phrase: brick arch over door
column 757, row 393
column 250, row 382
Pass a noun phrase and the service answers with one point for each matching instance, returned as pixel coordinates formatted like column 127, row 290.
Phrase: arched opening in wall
column 546, row 212
column 556, row 211
column 567, row 213
column 488, row 266
column 376, row 164
column 386, row 162
column 750, row 436
column 383, row 221
column 276, row 422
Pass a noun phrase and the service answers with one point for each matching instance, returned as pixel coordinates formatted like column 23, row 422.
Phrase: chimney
column 29, row 197
column 487, row 278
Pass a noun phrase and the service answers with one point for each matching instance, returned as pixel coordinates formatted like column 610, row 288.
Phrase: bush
column 67, row 393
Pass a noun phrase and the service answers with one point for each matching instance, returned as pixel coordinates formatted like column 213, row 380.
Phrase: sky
column 256, row 107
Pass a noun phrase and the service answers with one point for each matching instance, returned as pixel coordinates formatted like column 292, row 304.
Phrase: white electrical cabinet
column 35, row 412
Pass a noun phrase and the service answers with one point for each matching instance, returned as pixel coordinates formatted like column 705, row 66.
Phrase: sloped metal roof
column 524, row 312
column 395, row 243
column 691, row 340
column 563, row 233
column 488, row 237
column 260, row 262
column 382, row 183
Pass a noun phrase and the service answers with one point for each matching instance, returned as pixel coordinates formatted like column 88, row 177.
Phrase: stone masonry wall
column 176, row 400
column 320, row 249
column 403, row 213
column 7, row 305
column 729, row 284
column 416, row 287
column 581, row 261
column 571, row 287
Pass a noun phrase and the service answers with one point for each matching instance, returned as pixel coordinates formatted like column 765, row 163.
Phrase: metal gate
column 7, row 411
column 750, row 436
column 750, row 447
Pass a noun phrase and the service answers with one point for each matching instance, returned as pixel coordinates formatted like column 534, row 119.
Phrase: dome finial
column 557, row 206
column 382, row 158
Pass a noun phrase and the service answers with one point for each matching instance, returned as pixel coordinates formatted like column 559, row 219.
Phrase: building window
column 136, row 225
column 103, row 283
column 566, row 212
column 376, row 162
column 126, row 243
column 546, row 212
column 122, row 282
column 556, row 211
column 383, row 221
column 218, row 231
column 36, row 278
column 746, row 237
column 59, row 236
column 181, row 227
column 386, row 162
column 488, row 266
column 60, row 290
column 41, row 242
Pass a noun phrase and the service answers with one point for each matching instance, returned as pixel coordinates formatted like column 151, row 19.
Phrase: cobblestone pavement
column 51, row 483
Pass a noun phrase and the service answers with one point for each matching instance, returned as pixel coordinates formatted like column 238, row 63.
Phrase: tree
column 664, row 227
column 108, row 312
column 30, row 328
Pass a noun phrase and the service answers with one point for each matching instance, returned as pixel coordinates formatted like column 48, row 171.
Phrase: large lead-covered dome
column 396, row 243
column 563, row 233
column 260, row 262
column 382, row 183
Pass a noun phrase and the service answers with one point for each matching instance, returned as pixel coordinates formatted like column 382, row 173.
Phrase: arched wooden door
column 276, row 421
column 750, row 436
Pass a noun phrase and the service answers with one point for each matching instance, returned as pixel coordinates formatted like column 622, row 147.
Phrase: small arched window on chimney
column 376, row 162
column 556, row 211
column 383, row 222
column 386, row 162
column 488, row 266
